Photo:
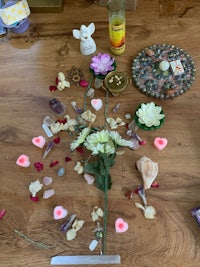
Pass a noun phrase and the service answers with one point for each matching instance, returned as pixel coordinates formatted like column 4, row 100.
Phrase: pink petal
column 2, row 213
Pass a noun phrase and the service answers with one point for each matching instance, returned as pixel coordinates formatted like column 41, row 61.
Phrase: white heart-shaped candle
column 96, row 103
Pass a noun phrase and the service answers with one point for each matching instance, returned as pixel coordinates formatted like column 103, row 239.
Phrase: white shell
column 148, row 170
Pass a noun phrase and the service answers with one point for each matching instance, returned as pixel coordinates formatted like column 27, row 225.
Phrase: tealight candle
column 164, row 65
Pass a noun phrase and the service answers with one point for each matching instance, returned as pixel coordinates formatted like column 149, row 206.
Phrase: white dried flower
column 35, row 187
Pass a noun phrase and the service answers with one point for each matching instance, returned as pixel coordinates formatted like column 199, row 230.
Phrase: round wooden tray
column 151, row 81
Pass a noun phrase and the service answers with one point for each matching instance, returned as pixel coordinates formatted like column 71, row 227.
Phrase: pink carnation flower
column 102, row 64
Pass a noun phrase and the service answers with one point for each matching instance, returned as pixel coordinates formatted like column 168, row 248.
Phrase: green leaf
column 101, row 182
column 112, row 159
column 92, row 167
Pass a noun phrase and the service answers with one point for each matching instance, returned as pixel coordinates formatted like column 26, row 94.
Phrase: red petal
column 54, row 163
column 52, row 88
column 56, row 140
column 143, row 142
column 57, row 80
column 80, row 150
column 38, row 166
column 154, row 184
column 68, row 159
column 129, row 194
column 35, row 199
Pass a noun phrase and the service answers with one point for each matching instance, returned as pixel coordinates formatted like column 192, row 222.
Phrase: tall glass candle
column 116, row 13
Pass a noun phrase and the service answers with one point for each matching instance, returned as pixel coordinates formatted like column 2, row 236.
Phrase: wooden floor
column 30, row 63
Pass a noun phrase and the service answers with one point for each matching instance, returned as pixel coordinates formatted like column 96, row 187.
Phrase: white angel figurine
column 87, row 44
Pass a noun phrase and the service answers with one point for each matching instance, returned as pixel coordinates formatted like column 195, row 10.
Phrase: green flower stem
column 85, row 95
column 105, row 216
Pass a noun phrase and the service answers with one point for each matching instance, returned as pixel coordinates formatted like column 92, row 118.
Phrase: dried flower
column 82, row 136
column 102, row 64
column 35, row 187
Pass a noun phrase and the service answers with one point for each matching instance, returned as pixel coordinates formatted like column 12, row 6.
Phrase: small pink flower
column 23, row 161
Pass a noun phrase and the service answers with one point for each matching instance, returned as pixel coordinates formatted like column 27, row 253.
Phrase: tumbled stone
column 89, row 178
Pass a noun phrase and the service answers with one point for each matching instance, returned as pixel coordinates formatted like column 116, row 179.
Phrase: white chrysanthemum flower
column 119, row 140
column 100, row 142
column 80, row 139
column 149, row 114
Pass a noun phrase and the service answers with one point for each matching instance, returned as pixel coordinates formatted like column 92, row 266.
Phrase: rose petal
column 54, row 163
column 39, row 166
column 67, row 159
column 56, row 140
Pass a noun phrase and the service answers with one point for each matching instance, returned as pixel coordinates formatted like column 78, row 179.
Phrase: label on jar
column 117, row 36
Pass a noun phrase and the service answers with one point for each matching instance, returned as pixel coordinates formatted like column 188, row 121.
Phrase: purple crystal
column 196, row 214
column 57, row 107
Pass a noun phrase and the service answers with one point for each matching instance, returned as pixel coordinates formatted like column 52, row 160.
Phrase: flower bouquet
column 103, row 145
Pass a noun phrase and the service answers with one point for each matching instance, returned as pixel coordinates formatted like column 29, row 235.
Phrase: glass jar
column 116, row 14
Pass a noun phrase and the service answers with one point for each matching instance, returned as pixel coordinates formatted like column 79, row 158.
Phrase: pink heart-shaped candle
column 23, row 161
column 39, row 141
column 160, row 143
column 96, row 104
column 121, row 226
column 59, row 212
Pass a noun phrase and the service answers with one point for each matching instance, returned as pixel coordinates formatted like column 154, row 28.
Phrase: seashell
column 148, row 170
column 149, row 52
